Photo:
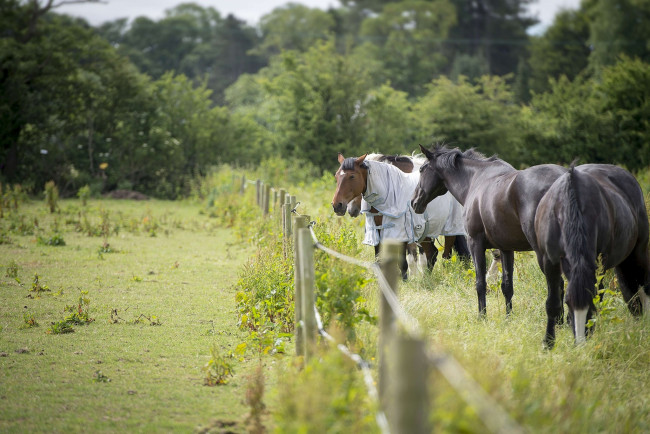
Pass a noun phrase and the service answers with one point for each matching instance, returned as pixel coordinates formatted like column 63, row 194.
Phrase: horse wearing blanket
column 416, row 257
column 388, row 190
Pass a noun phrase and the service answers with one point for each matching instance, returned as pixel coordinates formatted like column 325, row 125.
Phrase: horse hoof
column 548, row 343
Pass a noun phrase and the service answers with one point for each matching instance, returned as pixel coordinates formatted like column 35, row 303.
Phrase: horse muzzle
column 339, row 208
column 418, row 206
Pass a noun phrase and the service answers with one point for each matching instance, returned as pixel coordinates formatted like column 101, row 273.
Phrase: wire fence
column 410, row 415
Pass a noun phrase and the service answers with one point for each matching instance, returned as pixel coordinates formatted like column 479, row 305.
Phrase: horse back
column 620, row 210
column 508, row 203
column 612, row 214
column 528, row 188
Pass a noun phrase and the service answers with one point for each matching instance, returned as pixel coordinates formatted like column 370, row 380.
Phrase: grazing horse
column 499, row 205
column 387, row 189
column 374, row 218
column 594, row 212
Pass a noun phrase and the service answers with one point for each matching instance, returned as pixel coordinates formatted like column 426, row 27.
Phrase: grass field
column 161, row 295
column 601, row 386
column 171, row 263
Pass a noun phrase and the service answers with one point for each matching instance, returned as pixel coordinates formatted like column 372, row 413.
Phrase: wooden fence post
column 258, row 190
column 389, row 259
column 265, row 204
column 299, row 222
column 275, row 200
column 310, row 329
column 287, row 217
column 408, row 411
column 243, row 184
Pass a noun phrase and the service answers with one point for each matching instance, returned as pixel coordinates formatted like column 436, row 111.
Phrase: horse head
column 350, row 182
column 430, row 185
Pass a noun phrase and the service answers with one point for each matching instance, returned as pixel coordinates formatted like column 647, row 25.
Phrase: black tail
column 580, row 256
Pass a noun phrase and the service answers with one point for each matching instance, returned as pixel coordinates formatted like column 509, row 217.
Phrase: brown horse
column 389, row 194
column 595, row 211
column 499, row 205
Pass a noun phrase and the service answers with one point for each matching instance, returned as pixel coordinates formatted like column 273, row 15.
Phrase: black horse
column 499, row 205
column 593, row 213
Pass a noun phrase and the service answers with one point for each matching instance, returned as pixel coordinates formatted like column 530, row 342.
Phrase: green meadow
column 158, row 293
column 157, row 290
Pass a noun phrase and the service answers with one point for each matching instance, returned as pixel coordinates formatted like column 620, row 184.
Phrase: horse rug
column 389, row 191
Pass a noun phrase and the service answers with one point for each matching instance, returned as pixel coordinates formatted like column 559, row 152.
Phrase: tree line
column 149, row 105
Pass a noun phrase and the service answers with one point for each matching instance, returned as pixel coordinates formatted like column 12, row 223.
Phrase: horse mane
column 348, row 163
column 447, row 158
column 394, row 159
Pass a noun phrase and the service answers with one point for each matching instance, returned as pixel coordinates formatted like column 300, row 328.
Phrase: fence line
column 491, row 414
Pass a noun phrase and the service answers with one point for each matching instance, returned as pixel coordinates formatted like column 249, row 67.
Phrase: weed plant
column 327, row 395
column 218, row 370
column 54, row 240
column 51, row 196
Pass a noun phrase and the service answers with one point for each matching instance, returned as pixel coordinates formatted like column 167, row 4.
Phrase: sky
column 251, row 10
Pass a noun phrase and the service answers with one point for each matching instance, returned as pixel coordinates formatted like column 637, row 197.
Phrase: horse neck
column 459, row 180
column 382, row 189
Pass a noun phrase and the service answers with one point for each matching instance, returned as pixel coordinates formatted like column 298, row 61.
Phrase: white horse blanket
column 389, row 191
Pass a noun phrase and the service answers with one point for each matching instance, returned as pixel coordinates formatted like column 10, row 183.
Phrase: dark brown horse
column 594, row 212
column 499, row 205
column 386, row 194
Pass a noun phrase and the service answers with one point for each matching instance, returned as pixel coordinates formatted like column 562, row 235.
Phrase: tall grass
column 596, row 387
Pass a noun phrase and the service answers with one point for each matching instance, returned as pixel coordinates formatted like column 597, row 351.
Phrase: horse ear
column 361, row 161
column 426, row 152
column 341, row 158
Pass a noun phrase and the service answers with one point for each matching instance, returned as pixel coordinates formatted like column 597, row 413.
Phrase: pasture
column 595, row 387
column 170, row 262
column 159, row 285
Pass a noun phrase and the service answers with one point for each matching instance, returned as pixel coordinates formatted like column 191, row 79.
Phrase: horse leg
column 403, row 265
column 430, row 251
column 477, row 247
column 460, row 244
column 632, row 276
column 507, row 265
column 422, row 258
column 412, row 257
column 554, row 299
column 449, row 244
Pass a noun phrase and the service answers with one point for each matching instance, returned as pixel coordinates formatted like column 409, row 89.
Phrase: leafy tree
column 562, row 50
column 406, row 37
column 624, row 95
column 563, row 124
column 192, row 40
column 55, row 103
column 618, row 28
column 389, row 127
column 597, row 121
column 491, row 31
column 314, row 109
column 480, row 115
column 293, row 27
